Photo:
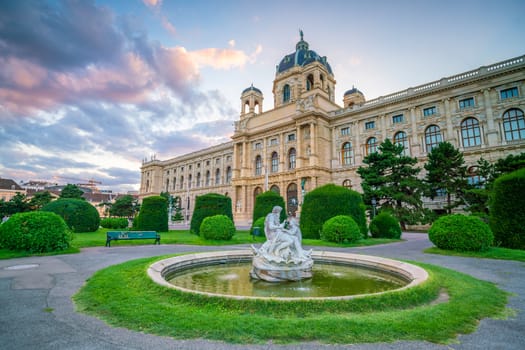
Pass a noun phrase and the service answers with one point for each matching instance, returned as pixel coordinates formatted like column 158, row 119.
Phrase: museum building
column 307, row 140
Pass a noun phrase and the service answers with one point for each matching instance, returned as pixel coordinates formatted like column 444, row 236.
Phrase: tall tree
column 40, row 199
column 446, row 171
column 390, row 177
column 71, row 191
column 124, row 207
column 17, row 204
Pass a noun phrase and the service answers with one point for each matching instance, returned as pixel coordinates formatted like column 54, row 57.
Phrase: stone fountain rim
column 413, row 274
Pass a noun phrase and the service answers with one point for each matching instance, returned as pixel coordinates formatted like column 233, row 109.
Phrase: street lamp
column 374, row 203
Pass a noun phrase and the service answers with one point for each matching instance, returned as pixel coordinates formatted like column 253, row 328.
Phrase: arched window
column 275, row 162
column 291, row 158
column 208, row 178
column 346, row 153
column 189, row 181
column 347, row 183
column 514, row 124
column 258, row 165
column 400, row 138
column 256, row 192
column 198, row 182
column 246, row 108
column 217, row 177
column 167, row 185
column 181, row 182
column 286, row 93
column 275, row 189
column 473, row 177
column 321, row 77
column 174, row 183
column 470, row 133
column 432, row 137
column 309, row 82
column 371, row 145
column 228, row 175
column 291, row 196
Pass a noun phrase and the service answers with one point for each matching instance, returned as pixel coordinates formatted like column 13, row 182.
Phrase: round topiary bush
column 507, row 210
column 328, row 201
column 114, row 223
column 79, row 215
column 153, row 215
column 260, row 224
column 209, row 205
column 385, row 225
column 341, row 228
column 461, row 233
column 35, row 232
column 217, row 227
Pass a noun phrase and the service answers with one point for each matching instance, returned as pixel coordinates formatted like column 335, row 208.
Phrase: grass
column 98, row 239
column 492, row 253
column 124, row 296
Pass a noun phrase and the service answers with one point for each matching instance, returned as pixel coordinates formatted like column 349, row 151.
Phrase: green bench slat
column 127, row 235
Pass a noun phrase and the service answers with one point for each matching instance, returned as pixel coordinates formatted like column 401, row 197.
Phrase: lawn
column 124, row 296
column 492, row 253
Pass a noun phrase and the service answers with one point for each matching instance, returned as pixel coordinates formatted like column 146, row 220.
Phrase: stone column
column 357, row 143
column 414, row 140
column 492, row 131
column 299, row 150
column 450, row 128
column 313, row 144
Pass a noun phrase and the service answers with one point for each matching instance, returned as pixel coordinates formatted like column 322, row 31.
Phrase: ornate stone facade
column 307, row 140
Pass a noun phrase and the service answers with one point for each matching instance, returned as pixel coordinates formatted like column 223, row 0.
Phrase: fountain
column 253, row 274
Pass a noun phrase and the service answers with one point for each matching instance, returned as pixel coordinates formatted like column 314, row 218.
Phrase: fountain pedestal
column 280, row 272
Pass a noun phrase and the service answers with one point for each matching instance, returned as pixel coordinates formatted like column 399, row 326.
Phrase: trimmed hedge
column 35, row 232
column 507, row 210
column 79, row 215
column 153, row 215
column 461, row 233
column 328, row 201
column 264, row 204
column 341, row 228
column 384, row 225
column 209, row 205
column 260, row 224
column 217, row 227
column 114, row 223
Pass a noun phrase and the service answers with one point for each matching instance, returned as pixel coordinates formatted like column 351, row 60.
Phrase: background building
column 307, row 140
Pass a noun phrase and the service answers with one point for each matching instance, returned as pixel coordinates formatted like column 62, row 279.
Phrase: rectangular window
column 273, row 142
column 429, row 111
column 509, row 93
column 370, row 125
column 466, row 103
column 345, row 131
column 217, row 161
column 291, row 137
column 258, row 145
column 397, row 119
column 207, row 162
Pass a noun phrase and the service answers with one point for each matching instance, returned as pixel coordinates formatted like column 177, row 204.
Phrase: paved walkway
column 37, row 312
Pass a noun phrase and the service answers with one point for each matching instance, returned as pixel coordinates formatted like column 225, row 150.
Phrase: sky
column 89, row 89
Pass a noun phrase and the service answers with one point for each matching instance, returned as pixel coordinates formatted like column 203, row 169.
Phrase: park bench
column 125, row 235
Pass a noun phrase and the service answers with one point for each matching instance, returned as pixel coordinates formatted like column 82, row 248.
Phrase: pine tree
column 446, row 171
column 391, row 179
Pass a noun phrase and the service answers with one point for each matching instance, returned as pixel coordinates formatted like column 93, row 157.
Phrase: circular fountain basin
column 403, row 274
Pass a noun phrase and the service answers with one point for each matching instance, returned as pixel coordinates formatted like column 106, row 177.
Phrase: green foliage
column 35, row 232
column 71, row 191
column 123, row 206
column 40, row 199
column 114, row 223
column 477, row 200
column 391, row 178
column 264, row 204
column 328, row 201
column 209, row 205
column 217, row 227
column 385, row 225
column 78, row 214
column 461, row 233
column 446, row 170
column 260, row 224
column 17, row 204
column 153, row 215
column 507, row 210
column 341, row 228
